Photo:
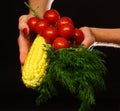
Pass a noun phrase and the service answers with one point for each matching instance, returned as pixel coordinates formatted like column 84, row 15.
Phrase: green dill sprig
column 33, row 10
column 80, row 71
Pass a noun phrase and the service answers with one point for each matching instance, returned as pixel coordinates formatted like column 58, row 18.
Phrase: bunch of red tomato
column 58, row 31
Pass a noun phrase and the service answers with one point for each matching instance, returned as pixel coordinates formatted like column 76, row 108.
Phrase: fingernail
column 25, row 31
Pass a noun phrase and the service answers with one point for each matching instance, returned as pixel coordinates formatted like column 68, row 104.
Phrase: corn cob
column 34, row 68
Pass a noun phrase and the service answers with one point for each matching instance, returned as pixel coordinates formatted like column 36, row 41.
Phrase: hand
column 89, row 37
column 24, row 38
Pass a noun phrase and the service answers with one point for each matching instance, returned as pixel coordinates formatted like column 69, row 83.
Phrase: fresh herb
column 33, row 10
column 80, row 71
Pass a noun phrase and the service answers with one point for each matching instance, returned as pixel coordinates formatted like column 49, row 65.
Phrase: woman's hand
column 89, row 37
column 24, row 37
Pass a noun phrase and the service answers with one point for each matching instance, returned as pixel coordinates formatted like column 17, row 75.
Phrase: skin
column 91, row 34
column 24, row 31
column 103, row 35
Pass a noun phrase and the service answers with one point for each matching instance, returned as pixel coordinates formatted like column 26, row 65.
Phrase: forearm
column 39, row 5
column 107, row 35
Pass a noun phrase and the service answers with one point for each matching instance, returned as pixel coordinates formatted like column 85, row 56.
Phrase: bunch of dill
column 79, row 70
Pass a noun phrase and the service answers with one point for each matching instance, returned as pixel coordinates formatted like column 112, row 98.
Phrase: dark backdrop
column 15, row 96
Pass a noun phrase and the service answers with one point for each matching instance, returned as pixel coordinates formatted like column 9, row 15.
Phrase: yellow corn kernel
column 34, row 68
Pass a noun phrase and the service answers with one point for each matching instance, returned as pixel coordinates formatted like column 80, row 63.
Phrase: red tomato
column 64, row 20
column 50, row 33
column 32, row 22
column 66, row 31
column 41, row 25
column 59, row 43
column 52, row 16
column 79, row 36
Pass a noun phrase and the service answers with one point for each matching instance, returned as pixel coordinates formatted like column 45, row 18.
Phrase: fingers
column 87, row 42
column 23, row 39
column 22, row 26
column 89, row 38
column 24, row 45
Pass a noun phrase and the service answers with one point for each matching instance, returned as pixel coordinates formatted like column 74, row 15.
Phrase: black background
column 15, row 96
